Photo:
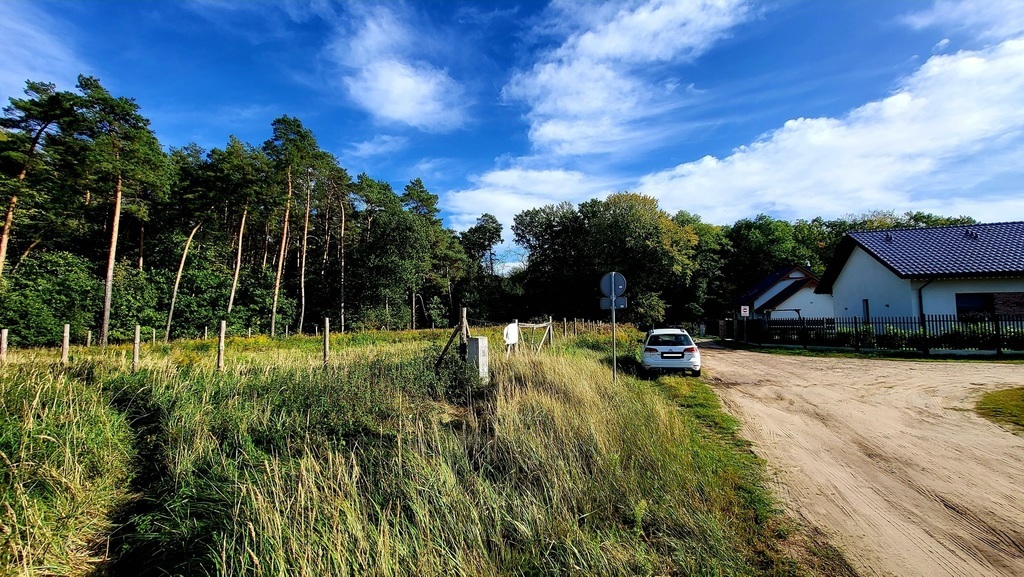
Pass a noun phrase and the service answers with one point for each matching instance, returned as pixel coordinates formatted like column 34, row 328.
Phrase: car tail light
column 690, row 350
column 650, row 350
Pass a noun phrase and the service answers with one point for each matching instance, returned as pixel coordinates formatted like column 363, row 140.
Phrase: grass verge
column 1004, row 407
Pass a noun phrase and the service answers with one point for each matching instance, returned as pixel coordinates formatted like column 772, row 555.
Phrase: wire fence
column 929, row 332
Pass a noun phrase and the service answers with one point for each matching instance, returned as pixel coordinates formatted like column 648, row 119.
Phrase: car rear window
column 670, row 341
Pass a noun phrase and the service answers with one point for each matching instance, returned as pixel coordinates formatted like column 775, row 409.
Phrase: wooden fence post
column 65, row 345
column 135, row 349
column 327, row 340
column 565, row 328
column 463, row 334
column 3, row 345
column 220, row 346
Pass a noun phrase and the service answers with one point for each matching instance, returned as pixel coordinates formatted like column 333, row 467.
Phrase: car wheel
column 696, row 372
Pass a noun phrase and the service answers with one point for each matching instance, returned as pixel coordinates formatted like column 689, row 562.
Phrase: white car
column 670, row 350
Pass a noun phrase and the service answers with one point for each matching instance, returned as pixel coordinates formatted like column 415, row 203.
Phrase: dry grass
column 374, row 465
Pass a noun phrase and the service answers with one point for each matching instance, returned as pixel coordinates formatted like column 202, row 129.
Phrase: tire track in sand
column 886, row 457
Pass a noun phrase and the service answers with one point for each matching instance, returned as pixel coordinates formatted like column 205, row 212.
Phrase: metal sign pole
column 615, row 356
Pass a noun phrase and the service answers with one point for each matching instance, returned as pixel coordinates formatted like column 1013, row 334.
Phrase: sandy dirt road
column 886, row 457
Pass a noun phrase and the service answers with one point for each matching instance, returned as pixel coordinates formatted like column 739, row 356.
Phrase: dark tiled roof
column 751, row 295
column 975, row 250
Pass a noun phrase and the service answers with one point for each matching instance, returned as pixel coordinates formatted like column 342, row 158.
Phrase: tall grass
column 377, row 465
column 64, row 465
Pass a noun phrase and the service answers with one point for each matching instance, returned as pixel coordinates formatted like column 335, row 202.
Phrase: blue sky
column 725, row 108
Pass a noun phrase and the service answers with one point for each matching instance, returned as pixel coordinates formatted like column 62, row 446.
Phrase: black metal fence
column 945, row 332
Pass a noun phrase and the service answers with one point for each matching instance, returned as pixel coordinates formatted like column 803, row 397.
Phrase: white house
column 787, row 294
column 953, row 270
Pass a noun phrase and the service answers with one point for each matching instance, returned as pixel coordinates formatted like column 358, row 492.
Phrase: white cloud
column 385, row 73
column 507, row 192
column 380, row 144
column 591, row 94
column 953, row 128
column 989, row 19
column 35, row 46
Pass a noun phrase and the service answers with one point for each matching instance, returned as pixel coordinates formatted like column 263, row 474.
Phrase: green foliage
column 135, row 302
column 47, row 291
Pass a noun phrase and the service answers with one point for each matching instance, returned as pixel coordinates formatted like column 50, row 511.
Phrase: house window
column 867, row 310
column 974, row 306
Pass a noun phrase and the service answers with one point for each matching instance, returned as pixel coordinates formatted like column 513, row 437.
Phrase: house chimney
column 888, row 237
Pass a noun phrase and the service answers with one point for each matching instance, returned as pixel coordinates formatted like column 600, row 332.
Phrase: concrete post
column 3, row 345
column 478, row 357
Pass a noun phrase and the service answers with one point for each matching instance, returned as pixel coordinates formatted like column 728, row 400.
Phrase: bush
column 47, row 291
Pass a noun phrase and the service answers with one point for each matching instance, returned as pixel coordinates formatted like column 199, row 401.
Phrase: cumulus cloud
column 380, row 144
column 507, row 192
column 592, row 93
column 35, row 47
column 952, row 128
column 385, row 73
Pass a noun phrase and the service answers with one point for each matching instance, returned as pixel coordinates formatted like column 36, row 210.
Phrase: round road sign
column 613, row 284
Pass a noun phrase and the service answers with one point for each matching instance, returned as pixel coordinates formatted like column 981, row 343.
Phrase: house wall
column 812, row 306
column 863, row 277
column 940, row 296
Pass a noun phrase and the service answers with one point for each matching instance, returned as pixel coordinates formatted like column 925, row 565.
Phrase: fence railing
column 946, row 332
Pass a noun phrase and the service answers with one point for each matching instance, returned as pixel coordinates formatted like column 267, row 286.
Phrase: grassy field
column 1005, row 407
column 377, row 465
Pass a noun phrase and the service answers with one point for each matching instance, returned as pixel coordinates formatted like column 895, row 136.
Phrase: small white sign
column 744, row 311
column 511, row 334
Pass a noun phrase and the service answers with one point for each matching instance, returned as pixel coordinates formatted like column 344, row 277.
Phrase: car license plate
column 671, row 355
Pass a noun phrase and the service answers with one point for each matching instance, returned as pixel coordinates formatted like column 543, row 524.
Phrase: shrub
column 48, row 290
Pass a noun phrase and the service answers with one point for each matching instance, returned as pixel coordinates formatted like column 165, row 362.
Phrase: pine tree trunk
column 280, row 260
column 5, row 236
column 177, row 280
column 108, row 289
column 302, row 267
column 238, row 259
column 25, row 254
column 327, row 240
column 8, row 220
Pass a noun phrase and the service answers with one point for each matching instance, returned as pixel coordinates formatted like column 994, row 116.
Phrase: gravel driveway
column 887, row 458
